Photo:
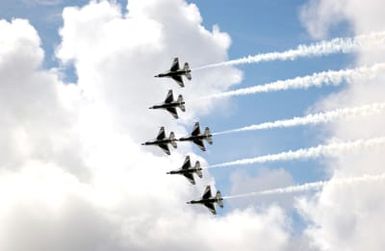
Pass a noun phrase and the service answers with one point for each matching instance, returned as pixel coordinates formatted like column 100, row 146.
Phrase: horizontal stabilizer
column 199, row 173
column 172, row 139
column 182, row 107
column 186, row 67
column 180, row 101
column 208, row 135
column 218, row 196
column 188, row 76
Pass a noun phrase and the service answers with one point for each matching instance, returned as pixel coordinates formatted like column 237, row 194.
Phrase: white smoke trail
column 323, row 48
column 334, row 78
column 312, row 186
column 313, row 119
column 309, row 153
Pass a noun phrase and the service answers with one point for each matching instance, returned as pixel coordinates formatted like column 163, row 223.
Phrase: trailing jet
column 197, row 137
column 208, row 200
column 176, row 73
column 162, row 141
column 170, row 104
column 188, row 171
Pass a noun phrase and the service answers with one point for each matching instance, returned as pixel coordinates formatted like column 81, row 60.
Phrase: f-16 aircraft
column 176, row 73
column 197, row 137
column 162, row 141
column 208, row 200
column 188, row 171
column 170, row 104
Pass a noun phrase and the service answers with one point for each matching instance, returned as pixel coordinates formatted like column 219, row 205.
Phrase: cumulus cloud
column 345, row 218
column 73, row 175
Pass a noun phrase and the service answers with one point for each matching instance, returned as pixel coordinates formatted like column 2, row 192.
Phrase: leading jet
column 197, row 137
column 176, row 72
column 208, row 200
column 188, row 171
column 162, row 141
column 170, row 104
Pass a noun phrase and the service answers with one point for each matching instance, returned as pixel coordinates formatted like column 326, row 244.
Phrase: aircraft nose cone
column 156, row 76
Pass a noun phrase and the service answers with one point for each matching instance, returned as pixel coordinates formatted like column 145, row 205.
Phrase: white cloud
column 73, row 175
column 347, row 218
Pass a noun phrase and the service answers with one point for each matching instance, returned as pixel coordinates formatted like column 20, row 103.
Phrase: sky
column 76, row 81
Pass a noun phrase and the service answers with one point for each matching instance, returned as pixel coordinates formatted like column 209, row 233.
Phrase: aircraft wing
column 175, row 65
column 190, row 177
column 211, row 207
column 207, row 193
column 187, row 163
column 169, row 98
column 165, row 148
column 200, row 143
column 161, row 134
column 173, row 112
column 178, row 79
column 196, row 130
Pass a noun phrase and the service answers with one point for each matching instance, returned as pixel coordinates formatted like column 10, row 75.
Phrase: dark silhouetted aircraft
column 176, row 73
column 188, row 171
column 208, row 200
column 170, row 104
column 197, row 137
column 162, row 141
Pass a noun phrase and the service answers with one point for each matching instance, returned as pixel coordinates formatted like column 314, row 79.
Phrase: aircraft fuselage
column 168, row 105
column 183, row 171
column 173, row 73
column 158, row 142
column 203, row 201
column 192, row 138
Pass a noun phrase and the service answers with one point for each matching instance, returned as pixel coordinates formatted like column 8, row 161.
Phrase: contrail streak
column 308, row 153
column 313, row 119
column 333, row 78
column 312, row 186
column 323, row 48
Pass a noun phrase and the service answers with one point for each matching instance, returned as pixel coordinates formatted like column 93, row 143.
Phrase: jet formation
column 196, row 137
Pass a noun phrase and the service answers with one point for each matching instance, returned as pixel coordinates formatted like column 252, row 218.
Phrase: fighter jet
column 162, row 141
column 188, row 171
column 197, row 137
column 176, row 73
column 170, row 104
column 208, row 201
